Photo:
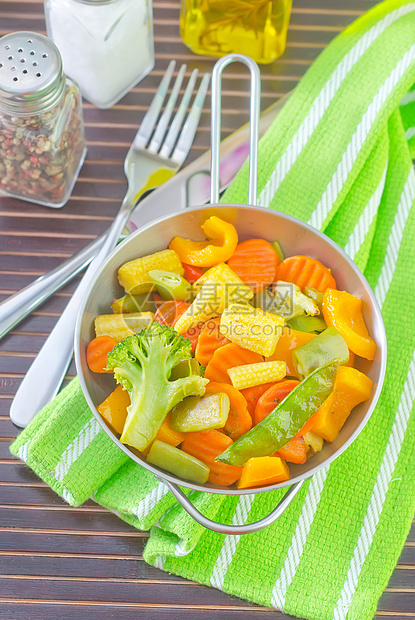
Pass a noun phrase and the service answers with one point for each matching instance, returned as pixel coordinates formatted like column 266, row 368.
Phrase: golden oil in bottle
column 257, row 28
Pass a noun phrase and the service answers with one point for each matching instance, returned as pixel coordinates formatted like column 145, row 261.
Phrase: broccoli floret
column 142, row 364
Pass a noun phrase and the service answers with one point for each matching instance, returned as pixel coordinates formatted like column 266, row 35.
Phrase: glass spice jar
column 42, row 145
column 257, row 28
column 106, row 46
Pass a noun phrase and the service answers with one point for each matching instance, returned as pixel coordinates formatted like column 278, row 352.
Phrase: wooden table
column 75, row 563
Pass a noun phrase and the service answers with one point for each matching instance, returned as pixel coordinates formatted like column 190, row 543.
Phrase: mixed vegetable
column 232, row 361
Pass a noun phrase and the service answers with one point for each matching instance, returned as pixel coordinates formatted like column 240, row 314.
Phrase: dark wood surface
column 76, row 563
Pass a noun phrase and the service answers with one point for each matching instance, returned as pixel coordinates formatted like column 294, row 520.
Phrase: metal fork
column 158, row 168
column 150, row 161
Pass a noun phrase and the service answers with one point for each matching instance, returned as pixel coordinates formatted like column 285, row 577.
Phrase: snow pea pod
column 284, row 422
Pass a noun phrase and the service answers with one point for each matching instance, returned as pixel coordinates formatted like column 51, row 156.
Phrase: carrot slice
column 97, row 353
column 252, row 394
column 255, row 261
column 210, row 339
column 170, row 311
column 294, row 451
column 272, row 397
column 239, row 421
column 305, row 271
column 206, row 446
column 228, row 356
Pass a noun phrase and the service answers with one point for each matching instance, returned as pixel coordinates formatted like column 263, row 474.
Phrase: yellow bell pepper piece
column 344, row 311
column 351, row 387
column 261, row 470
column 114, row 409
column 223, row 240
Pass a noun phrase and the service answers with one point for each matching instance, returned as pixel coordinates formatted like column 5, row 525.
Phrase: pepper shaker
column 42, row 145
column 106, row 46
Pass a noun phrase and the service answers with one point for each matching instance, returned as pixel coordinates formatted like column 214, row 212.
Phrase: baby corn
column 251, row 328
column 250, row 375
column 133, row 276
column 120, row 326
column 217, row 288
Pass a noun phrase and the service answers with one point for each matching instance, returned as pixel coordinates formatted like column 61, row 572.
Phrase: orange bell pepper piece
column 351, row 387
column 223, row 240
column 262, row 470
column 289, row 340
column 239, row 421
column 344, row 311
column 294, row 451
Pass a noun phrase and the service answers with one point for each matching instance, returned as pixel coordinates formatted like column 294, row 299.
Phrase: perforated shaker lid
column 31, row 77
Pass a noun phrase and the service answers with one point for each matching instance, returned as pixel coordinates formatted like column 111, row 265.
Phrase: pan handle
column 216, row 125
column 222, row 528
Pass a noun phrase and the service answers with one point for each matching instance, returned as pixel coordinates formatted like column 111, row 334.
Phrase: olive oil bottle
column 257, row 28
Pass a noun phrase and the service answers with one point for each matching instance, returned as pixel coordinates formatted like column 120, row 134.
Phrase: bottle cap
column 31, row 76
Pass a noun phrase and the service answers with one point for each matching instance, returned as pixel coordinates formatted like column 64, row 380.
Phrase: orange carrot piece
column 228, row 356
column 239, row 421
column 255, row 261
column 289, row 340
column 210, row 339
column 305, row 271
column 170, row 311
column 262, row 470
column 252, row 394
column 294, row 451
column 114, row 409
column 206, row 446
column 272, row 397
column 97, row 353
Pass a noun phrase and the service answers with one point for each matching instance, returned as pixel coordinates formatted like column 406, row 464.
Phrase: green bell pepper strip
column 286, row 420
column 171, row 286
column 326, row 347
column 178, row 462
column 304, row 323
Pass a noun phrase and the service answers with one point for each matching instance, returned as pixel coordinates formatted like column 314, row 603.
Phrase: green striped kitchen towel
column 338, row 156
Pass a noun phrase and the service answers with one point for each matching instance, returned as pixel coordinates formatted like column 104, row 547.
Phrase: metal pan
column 296, row 237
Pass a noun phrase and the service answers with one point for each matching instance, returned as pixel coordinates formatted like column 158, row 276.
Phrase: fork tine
column 149, row 121
column 165, row 117
column 186, row 139
column 171, row 138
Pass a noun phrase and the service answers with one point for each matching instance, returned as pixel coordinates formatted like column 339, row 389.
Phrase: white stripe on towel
column 85, row 436
column 322, row 102
column 231, row 541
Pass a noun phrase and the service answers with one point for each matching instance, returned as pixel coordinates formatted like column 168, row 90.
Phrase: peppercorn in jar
column 42, row 145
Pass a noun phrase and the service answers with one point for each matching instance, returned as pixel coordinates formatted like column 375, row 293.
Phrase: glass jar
column 106, row 45
column 42, row 145
column 257, row 28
